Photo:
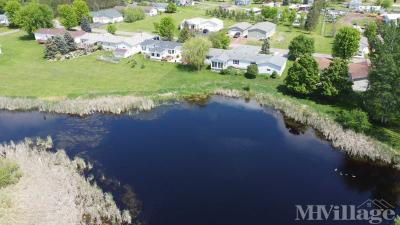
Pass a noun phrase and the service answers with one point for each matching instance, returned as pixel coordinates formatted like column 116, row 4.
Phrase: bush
column 9, row 173
column 171, row 8
column 132, row 15
column 274, row 75
column 355, row 119
column 252, row 71
column 246, row 88
column 111, row 28
column 231, row 71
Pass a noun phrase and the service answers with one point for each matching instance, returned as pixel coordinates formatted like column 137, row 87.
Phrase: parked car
column 236, row 35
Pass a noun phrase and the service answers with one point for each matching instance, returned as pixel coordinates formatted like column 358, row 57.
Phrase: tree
column 62, row 46
column 132, row 15
column 166, row 28
column 111, row 28
column 346, row 43
column 300, row 45
column 371, row 30
column 285, row 2
column 171, row 8
column 34, row 16
column 383, row 94
column 355, row 119
column 265, row 47
column 335, row 79
column 11, row 9
column 269, row 12
column 292, row 17
column 67, row 16
column 284, row 15
column 50, row 50
column 219, row 40
column 194, row 52
column 252, row 71
column 303, row 76
column 81, row 9
column 69, row 40
column 386, row 3
column 313, row 16
column 185, row 34
column 85, row 26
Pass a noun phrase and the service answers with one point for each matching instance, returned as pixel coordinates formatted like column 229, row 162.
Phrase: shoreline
column 355, row 144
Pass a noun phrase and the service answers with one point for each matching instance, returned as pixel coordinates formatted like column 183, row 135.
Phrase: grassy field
column 4, row 29
column 147, row 24
column 24, row 72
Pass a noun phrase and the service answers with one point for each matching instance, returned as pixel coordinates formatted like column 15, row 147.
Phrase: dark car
column 236, row 35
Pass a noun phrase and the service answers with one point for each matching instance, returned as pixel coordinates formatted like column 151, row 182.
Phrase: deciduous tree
column 81, row 9
column 132, row 15
column 34, row 16
column 67, row 16
column 303, row 76
column 166, row 28
column 219, row 40
column 300, row 45
column 346, row 43
column 171, row 8
column 185, row 34
column 335, row 79
column 11, row 9
column 194, row 52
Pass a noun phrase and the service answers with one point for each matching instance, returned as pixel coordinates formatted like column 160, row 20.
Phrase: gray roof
column 246, row 53
column 263, row 26
column 159, row 46
column 242, row 26
column 109, row 13
column 160, row 5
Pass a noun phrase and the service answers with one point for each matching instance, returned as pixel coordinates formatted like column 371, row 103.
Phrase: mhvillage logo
column 374, row 211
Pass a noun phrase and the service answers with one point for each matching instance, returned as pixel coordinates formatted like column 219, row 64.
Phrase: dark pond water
column 224, row 163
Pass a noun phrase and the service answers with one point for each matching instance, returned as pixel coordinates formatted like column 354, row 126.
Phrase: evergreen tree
column 185, row 34
column 62, row 46
column 303, row 76
column 69, row 40
column 50, row 50
column 335, row 79
column 252, row 71
column 265, row 47
column 313, row 16
column 85, row 26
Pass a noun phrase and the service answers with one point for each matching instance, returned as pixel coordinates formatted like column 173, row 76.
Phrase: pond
column 225, row 162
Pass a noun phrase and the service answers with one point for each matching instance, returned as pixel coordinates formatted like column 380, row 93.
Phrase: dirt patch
column 352, row 17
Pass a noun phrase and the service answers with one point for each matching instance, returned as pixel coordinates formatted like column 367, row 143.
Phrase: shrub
column 274, row 75
column 171, row 8
column 132, row 15
column 246, row 88
column 252, row 71
column 355, row 119
column 230, row 71
column 9, row 173
column 111, row 28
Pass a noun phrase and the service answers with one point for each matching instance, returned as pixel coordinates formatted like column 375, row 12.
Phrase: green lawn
column 147, row 24
column 24, row 72
column 4, row 29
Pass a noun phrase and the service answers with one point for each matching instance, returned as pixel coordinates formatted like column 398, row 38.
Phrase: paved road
column 9, row 32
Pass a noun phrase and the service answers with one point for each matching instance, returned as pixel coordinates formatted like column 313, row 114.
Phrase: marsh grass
column 53, row 190
column 9, row 173
column 108, row 104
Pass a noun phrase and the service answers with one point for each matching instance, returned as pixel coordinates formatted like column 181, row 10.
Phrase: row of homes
column 257, row 31
column 244, row 55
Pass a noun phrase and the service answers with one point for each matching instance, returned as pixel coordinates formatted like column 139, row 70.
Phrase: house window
column 252, row 62
column 158, row 55
column 236, row 62
column 214, row 64
column 171, row 51
column 143, row 48
column 217, row 65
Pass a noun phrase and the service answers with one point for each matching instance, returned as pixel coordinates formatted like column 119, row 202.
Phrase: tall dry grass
column 53, row 190
column 108, row 104
column 355, row 144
